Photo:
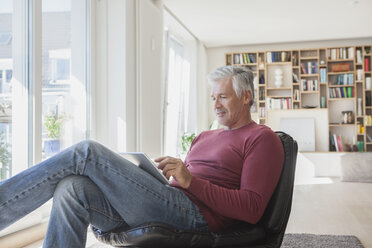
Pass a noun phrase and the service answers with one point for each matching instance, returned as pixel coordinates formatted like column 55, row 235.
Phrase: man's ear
column 247, row 95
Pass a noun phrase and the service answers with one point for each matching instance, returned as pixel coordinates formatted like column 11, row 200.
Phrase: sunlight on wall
column 305, row 172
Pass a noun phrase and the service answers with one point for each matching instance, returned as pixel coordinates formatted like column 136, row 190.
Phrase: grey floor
column 320, row 206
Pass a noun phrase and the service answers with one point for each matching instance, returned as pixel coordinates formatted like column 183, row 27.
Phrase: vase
column 278, row 78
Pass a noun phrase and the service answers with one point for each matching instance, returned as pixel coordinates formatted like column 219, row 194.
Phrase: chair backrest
column 277, row 212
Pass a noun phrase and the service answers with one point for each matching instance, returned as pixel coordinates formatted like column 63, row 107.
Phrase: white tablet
column 145, row 163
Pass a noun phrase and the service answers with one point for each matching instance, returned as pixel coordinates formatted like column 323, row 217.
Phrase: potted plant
column 5, row 157
column 53, row 124
column 186, row 142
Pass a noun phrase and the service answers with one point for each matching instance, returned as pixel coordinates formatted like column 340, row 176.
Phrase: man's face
column 231, row 111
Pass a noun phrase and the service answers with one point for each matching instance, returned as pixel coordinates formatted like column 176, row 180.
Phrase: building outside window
column 43, row 107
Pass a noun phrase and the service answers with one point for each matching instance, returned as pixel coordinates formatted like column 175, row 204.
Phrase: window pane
column 6, row 68
column 63, row 88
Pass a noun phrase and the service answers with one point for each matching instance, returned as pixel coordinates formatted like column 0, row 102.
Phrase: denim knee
column 87, row 145
column 70, row 190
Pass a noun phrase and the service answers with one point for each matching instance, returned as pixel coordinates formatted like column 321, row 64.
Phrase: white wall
column 150, row 81
column 127, row 91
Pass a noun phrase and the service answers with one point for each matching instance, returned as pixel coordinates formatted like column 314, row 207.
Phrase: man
column 228, row 176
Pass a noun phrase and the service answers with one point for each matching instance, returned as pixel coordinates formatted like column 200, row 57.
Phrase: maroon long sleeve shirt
column 234, row 173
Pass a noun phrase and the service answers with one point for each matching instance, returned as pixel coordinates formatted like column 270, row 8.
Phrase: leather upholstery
column 268, row 232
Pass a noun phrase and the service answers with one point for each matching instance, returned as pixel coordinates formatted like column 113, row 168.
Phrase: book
column 268, row 57
column 339, row 143
column 359, row 56
column 332, row 146
column 336, row 143
column 366, row 64
column 303, row 68
column 236, row 58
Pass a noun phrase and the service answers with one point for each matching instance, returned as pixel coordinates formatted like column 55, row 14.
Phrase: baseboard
column 24, row 237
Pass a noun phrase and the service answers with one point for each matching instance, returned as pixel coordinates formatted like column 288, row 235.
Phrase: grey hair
column 242, row 79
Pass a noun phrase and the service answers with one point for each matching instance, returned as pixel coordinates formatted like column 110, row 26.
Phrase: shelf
column 343, row 72
column 310, row 92
column 251, row 64
column 340, row 85
column 278, row 96
column 309, row 75
column 339, row 60
column 280, row 63
column 341, row 125
column 341, row 99
column 281, row 88
column 308, row 58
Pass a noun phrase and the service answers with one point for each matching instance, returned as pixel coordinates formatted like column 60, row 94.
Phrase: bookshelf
column 334, row 79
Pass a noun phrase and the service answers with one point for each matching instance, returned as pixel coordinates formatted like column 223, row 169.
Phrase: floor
column 321, row 206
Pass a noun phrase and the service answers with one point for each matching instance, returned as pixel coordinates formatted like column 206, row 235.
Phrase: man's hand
column 175, row 167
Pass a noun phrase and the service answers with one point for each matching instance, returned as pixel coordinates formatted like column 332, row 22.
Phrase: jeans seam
column 104, row 213
column 24, row 192
column 129, row 179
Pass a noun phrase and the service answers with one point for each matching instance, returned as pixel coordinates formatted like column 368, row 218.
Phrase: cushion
column 356, row 167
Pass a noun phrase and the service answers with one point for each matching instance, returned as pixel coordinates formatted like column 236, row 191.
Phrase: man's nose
column 217, row 104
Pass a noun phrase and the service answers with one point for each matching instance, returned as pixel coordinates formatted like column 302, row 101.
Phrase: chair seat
column 162, row 235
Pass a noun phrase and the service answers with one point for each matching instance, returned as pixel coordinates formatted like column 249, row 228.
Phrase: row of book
column 343, row 79
column 309, row 85
column 262, row 112
column 323, row 75
column 340, row 53
column 279, row 103
column 341, row 92
column 335, row 142
column 296, row 95
column 277, row 57
column 244, row 58
column 311, row 67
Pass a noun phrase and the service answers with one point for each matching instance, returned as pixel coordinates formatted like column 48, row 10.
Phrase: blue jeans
column 92, row 185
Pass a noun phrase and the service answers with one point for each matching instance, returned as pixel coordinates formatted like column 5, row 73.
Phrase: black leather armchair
column 268, row 232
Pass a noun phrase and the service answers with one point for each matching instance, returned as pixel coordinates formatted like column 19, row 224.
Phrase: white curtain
column 176, row 97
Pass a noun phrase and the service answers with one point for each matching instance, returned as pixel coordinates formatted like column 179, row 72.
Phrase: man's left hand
column 174, row 167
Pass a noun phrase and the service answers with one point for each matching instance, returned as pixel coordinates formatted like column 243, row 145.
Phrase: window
column 43, row 103
column 176, row 104
column 63, row 90
column 6, row 68
column 59, row 62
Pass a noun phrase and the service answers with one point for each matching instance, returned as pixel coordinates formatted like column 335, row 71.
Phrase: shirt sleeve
column 261, row 171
